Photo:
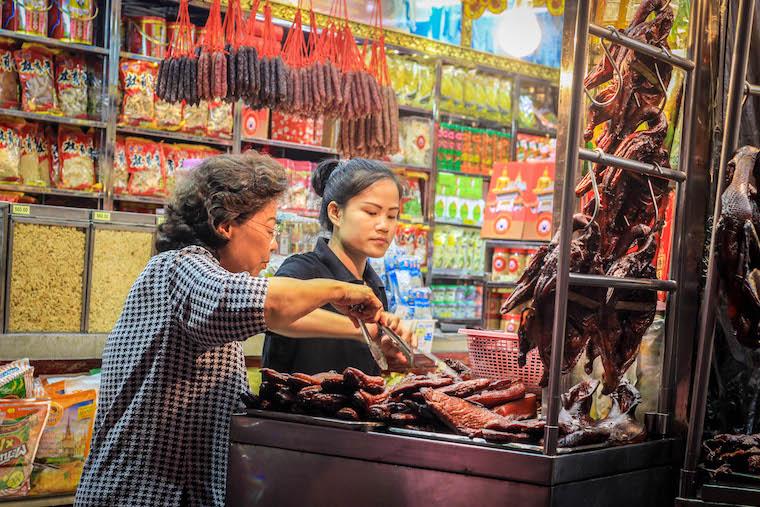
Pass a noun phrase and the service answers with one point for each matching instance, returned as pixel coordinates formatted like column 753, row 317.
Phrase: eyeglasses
column 273, row 232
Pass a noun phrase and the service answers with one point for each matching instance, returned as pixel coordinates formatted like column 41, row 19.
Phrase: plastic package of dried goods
column 195, row 118
column 51, row 136
column 168, row 116
column 71, row 83
column 138, row 86
column 29, row 165
column 64, row 444
column 76, row 149
column 10, row 150
column 219, row 119
column 46, row 278
column 17, row 380
column 119, row 256
column 44, row 157
column 35, row 71
column 21, row 425
column 146, row 167
column 95, row 96
column 8, row 76
column 120, row 177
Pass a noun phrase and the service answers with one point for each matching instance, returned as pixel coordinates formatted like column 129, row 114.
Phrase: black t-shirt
column 315, row 355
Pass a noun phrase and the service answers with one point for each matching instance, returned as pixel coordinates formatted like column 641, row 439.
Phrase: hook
column 662, row 87
column 654, row 202
column 594, row 184
column 746, row 93
column 619, row 78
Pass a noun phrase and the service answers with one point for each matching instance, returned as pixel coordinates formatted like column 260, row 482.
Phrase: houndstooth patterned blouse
column 173, row 371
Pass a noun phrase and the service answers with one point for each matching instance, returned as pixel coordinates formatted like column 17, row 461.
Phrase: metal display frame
column 738, row 90
column 53, row 216
column 572, row 96
column 118, row 221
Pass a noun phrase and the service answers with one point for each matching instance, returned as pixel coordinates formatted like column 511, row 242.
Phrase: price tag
column 21, row 209
column 101, row 216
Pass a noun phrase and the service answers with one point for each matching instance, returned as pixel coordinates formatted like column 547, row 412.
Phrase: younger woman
column 360, row 207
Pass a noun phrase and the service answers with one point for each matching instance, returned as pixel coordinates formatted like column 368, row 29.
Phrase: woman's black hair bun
column 322, row 174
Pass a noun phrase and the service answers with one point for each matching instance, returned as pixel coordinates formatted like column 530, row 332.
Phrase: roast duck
column 616, row 234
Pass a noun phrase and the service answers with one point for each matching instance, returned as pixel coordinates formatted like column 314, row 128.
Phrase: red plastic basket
column 493, row 354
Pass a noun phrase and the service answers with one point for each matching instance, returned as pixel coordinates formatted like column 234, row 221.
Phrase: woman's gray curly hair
column 223, row 189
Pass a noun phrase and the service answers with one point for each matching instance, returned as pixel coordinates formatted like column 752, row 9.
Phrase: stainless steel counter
column 284, row 463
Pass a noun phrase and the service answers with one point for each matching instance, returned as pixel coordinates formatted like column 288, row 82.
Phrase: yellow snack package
column 21, row 425
column 17, row 380
column 65, row 443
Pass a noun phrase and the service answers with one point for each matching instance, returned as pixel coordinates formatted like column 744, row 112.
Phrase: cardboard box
column 539, row 201
column 255, row 123
column 505, row 210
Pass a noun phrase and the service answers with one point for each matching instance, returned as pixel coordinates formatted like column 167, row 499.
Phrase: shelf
column 177, row 136
column 440, row 275
column 484, row 177
column 408, row 167
column 33, row 189
column 501, row 285
column 454, row 224
column 290, row 146
column 537, row 132
column 135, row 56
column 515, row 243
column 415, row 110
column 481, row 122
column 49, row 41
column 145, row 199
column 43, row 501
column 460, row 321
column 49, row 118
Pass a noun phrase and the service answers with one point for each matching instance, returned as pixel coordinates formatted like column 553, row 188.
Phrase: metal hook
column 746, row 93
column 597, row 198
column 619, row 81
column 654, row 202
column 662, row 87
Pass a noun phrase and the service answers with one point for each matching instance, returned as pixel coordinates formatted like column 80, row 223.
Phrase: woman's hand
column 358, row 302
column 391, row 351
column 393, row 322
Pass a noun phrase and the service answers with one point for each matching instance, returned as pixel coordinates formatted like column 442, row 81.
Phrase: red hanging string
column 271, row 47
column 214, row 37
column 182, row 41
column 295, row 51
column 234, row 28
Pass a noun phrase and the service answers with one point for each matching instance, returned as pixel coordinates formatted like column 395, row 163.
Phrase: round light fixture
column 518, row 33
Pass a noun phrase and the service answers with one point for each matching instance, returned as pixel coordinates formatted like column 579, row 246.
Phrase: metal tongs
column 405, row 349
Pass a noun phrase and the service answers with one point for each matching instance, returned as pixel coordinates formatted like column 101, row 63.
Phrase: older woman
column 173, row 367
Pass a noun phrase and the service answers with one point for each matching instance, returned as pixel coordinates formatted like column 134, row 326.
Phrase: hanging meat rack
column 417, row 464
column 738, row 91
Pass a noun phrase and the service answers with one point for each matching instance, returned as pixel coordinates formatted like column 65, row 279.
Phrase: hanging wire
column 654, row 201
column 597, row 198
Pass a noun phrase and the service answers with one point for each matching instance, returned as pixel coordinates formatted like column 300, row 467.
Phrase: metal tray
column 734, row 477
column 448, row 437
column 316, row 421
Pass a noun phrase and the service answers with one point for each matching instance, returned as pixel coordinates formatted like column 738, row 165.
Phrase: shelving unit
column 43, row 501
column 286, row 145
column 484, row 177
column 177, row 136
column 32, row 189
column 51, row 118
column 54, row 43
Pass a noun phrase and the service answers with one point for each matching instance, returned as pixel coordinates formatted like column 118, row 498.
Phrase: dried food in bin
column 35, row 70
column 46, row 278
column 64, row 444
column 21, row 425
column 118, row 257
column 10, row 150
column 71, row 83
column 77, row 152
column 138, row 81
column 8, row 76
column 145, row 163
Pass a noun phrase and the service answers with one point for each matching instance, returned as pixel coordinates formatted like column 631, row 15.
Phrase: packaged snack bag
column 65, row 443
column 8, row 76
column 120, row 177
column 195, row 118
column 168, row 116
column 77, row 160
column 17, row 380
column 21, row 425
column 145, row 163
column 138, row 84
column 35, row 71
column 219, row 119
column 71, row 83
